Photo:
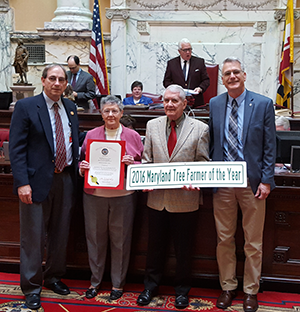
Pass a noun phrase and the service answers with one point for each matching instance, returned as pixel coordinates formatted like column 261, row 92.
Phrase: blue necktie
column 233, row 132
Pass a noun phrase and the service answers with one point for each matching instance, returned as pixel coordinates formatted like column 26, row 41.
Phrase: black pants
column 181, row 227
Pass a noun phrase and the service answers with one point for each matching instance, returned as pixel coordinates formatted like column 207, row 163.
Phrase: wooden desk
column 5, row 117
column 281, row 260
column 91, row 118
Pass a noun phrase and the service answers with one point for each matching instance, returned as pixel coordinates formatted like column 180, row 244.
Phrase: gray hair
column 176, row 89
column 183, row 40
column 233, row 59
column 282, row 121
column 45, row 71
column 111, row 99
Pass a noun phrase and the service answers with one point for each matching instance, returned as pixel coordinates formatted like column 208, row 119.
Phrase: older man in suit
column 187, row 71
column 82, row 82
column 242, row 127
column 172, row 138
column 44, row 153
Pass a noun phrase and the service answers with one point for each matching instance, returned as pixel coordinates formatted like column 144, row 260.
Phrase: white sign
column 178, row 174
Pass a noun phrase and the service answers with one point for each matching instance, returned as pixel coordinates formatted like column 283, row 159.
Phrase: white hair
column 282, row 121
column 183, row 40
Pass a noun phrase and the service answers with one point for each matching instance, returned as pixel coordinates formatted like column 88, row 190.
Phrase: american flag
column 97, row 62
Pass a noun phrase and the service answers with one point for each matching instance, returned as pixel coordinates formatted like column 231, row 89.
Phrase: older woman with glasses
column 109, row 213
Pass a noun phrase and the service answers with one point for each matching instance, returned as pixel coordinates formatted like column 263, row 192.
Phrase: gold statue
column 20, row 63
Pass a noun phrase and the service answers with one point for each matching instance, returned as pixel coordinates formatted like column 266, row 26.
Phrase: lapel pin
column 72, row 113
column 249, row 105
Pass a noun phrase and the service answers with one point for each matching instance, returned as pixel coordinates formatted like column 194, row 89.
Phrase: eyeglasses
column 108, row 111
column 187, row 50
column 71, row 68
column 54, row 79
column 234, row 72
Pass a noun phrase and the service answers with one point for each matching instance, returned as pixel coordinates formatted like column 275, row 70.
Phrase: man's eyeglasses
column 235, row 72
column 71, row 68
column 187, row 50
column 60, row 79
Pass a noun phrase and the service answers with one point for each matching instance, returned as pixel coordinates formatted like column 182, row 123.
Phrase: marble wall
column 6, row 24
column 144, row 35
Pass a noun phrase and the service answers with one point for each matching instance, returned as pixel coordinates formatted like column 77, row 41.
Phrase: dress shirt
column 240, row 103
column 179, row 123
column 66, row 126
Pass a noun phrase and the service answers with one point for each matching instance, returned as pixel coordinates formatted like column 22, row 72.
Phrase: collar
column 50, row 102
column 178, row 121
column 239, row 99
column 182, row 61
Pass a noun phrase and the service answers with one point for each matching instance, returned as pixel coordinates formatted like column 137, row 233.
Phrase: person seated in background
column 282, row 124
column 137, row 96
column 128, row 121
column 68, row 93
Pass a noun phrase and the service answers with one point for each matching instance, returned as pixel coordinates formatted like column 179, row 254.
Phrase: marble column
column 6, row 26
column 118, row 15
column 71, row 14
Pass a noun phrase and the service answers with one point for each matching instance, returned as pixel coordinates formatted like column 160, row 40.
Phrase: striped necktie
column 233, row 132
column 60, row 160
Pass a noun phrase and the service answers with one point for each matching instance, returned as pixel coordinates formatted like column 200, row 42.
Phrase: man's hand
column 25, row 194
column 198, row 90
column 190, row 188
column 263, row 191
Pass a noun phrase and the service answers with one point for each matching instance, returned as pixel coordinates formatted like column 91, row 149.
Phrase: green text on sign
column 178, row 174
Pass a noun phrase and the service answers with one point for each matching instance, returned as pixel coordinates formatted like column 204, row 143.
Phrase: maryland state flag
column 287, row 58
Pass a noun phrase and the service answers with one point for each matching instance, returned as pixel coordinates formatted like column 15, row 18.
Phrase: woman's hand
column 84, row 165
column 128, row 160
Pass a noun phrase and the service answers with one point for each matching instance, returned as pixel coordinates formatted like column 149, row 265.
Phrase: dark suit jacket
column 31, row 144
column 85, row 88
column 259, row 136
column 197, row 76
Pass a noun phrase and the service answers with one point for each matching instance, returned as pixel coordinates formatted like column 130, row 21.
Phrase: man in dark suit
column 172, row 211
column 242, row 127
column 82, row 82
column 187, row 71
column 44, row 165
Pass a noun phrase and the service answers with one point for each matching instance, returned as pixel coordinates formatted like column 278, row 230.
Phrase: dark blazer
column 31, row 144
column 197, row 76
column 259, row 136
column 85, row 88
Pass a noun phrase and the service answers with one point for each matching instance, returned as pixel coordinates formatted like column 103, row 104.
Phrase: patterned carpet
column 12, row 299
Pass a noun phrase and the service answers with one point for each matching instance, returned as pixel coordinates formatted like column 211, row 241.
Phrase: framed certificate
column 106, row 167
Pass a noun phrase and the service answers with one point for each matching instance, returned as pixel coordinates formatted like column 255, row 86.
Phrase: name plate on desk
column 178, row 174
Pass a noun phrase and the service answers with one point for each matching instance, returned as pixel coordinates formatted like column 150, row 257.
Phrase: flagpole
column 292, row 87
